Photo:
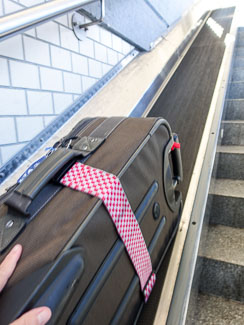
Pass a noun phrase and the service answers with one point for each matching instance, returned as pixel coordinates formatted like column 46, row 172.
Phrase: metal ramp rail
column 23, row 20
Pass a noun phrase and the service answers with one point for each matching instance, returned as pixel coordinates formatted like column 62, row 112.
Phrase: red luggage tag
column 108, row 188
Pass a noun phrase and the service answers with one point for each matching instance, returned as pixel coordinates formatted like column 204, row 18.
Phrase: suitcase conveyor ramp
column 221, row 284
column 185, row 103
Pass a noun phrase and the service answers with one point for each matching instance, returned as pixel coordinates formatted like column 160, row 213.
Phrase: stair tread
column 227, row 187
column 231, row 149
column 214, row 310
column 225, row 210
column 225, row 244
column 234, row 100
column 233, row 121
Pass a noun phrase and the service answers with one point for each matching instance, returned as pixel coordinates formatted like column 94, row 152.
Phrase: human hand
column 37, row 316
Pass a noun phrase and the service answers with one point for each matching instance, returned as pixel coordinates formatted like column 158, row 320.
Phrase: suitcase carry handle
column 20, row 199
column 23, row 195
column 57, row 287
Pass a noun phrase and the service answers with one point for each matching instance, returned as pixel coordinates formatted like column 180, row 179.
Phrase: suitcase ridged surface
column 75, row 219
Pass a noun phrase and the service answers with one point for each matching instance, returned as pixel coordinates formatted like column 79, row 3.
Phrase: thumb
column 37, row 316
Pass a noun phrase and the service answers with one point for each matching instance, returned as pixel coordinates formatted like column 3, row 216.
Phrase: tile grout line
column 9, row 74
column 51, row 67
column 27, row 103
column 16, row 128
column 53, row 108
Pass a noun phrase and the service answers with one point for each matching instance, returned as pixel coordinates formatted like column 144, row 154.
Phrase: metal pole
column 28, row 18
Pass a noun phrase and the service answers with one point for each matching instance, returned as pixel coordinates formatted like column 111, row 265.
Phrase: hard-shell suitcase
column 75, row 259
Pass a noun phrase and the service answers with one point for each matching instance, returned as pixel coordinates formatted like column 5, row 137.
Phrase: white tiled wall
column 43, row 70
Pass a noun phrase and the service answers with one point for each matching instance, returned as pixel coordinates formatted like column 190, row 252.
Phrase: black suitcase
column 74, row 261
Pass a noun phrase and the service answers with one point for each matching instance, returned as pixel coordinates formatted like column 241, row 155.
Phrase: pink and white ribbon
column 108, row 188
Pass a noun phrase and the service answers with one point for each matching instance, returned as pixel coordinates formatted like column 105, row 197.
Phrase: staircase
column 221, row 286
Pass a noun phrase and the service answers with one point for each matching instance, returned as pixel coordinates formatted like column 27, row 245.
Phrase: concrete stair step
column 239, row 51
column 231, row 149
column 236, row 90
column 222, row 279
column 238, row 62
column 233, row 133
column 226, row 210
column 234, row 109
column 230, row 165
column 240, row 42
column 225, row 244
column 227, row 187
column 237, row 75
column 240, row 38
column 212, row 310
column 223, row 263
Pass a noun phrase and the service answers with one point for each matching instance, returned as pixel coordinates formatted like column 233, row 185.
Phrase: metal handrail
column 20, row 21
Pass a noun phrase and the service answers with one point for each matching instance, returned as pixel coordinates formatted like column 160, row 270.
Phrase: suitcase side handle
column 176, row 160
column 172, row 173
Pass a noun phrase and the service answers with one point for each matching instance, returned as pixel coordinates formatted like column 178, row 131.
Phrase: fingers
column 37, row 316
column 8, row 265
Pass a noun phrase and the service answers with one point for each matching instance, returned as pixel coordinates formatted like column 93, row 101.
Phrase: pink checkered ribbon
column 108, row 188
